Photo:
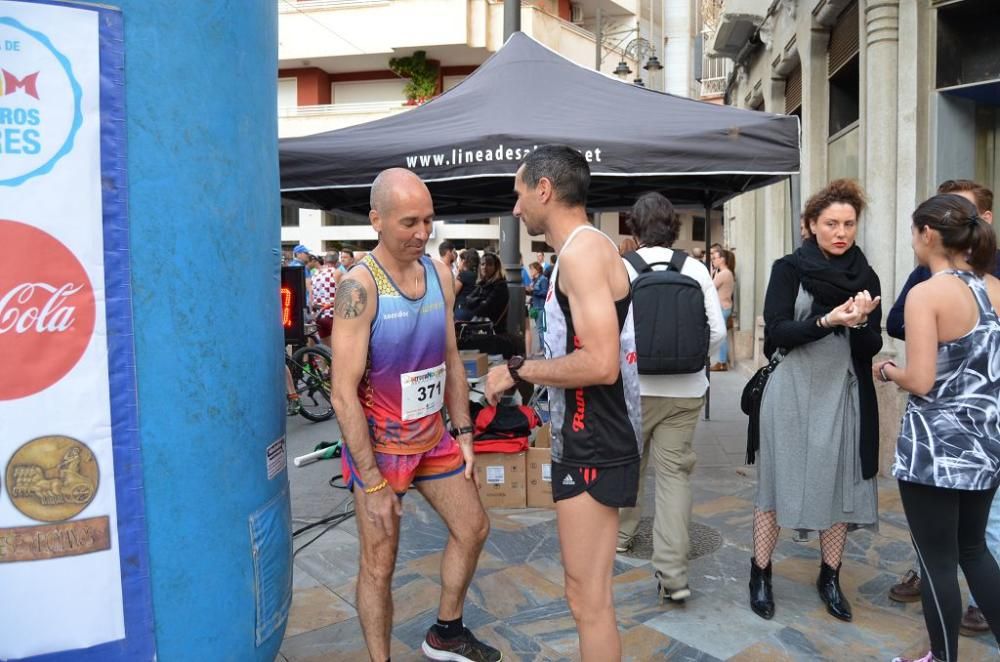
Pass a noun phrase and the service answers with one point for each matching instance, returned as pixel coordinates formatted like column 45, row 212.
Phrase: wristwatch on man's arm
column 514, row 364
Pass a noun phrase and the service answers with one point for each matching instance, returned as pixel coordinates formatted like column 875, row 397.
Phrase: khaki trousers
column 668, row 426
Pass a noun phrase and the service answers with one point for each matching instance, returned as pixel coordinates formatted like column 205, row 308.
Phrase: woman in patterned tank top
column 948, row 453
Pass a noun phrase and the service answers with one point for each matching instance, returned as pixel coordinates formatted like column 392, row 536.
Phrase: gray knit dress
column 809, row 470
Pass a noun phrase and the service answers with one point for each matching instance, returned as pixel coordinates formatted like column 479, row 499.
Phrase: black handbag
column 750, row 403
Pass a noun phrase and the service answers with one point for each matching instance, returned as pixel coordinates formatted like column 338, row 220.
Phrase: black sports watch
column 514, row 364
column 458, row 432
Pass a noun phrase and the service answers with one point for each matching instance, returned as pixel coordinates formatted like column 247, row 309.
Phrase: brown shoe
column 719, row 367
column 973, row 622
column 908, row 588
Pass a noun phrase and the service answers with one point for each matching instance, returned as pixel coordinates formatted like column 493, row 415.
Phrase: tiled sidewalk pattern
column 516, row 599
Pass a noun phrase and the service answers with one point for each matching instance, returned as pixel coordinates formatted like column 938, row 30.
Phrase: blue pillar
column 203, row 203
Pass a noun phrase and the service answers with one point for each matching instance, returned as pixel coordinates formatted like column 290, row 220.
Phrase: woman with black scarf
column 818, row 414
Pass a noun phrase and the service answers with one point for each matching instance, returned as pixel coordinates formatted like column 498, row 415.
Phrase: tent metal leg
column 510, row 256
column 708, row 262
column 510, row 227
column 511, row 18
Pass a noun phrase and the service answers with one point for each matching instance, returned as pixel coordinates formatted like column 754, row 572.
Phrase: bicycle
column 311, row 370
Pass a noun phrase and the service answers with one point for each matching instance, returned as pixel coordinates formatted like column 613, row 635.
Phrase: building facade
column 898, row 94
column 334, row 71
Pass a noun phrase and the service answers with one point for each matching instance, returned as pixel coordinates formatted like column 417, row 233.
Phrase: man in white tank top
column 590, row 369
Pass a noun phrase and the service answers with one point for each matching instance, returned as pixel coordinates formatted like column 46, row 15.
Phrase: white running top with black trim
column 593, row 426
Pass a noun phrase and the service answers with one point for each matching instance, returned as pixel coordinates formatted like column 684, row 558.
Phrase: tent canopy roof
column 467, row 143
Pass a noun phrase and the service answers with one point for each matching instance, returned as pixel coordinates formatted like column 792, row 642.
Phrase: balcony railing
column 341, row 109
column 292, row 6
column 713, row 87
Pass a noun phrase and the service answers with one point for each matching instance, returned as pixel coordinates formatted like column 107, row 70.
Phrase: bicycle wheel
column 312, row 373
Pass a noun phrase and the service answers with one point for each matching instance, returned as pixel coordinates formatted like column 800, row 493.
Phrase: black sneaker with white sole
column 463, row 648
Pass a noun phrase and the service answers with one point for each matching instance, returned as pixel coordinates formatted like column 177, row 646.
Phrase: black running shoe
column 463, row 648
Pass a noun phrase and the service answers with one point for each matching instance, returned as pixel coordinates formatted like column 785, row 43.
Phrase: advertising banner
column 73, row 556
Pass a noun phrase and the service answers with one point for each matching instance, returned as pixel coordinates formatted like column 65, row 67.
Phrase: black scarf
column 831, row 280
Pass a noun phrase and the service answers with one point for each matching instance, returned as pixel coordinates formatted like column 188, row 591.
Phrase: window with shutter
column 844, row 39
column 793, row 90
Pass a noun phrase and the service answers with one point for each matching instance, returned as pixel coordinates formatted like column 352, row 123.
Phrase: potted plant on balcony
column 422, row 75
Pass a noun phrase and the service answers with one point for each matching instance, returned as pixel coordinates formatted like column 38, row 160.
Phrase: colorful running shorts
column 401, row 471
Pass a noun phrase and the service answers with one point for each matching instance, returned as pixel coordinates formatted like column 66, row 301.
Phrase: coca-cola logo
column 46, row 310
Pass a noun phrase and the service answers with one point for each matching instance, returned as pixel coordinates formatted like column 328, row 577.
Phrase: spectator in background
column 819, row 426
column 449, row 256
column 467, row 275
column 525, row 276
column 550, row 266
column 724, row 281
column 536, row 313
column 300, row 258
column 324, row 288
column 346, row 260
column 714, row 247
column 490, row 298
column 300, row 255
column 628, row 245
column 948, row 454
column 313, row 264
column 698, row 253
column 909, row 587
column 671, row 406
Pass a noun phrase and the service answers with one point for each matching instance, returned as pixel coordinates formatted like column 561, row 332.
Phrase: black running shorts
column 615, row 487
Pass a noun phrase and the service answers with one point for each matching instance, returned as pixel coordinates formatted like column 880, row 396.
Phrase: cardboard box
column 501, row 479
column 539, row 472
column 543, row 437
column 476, row 363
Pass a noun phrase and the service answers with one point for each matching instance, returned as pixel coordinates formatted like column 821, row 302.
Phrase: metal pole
column 598, row 36
column 510, row 255
column 795, row 207
column 511, row 18
column 708, row 263
column 510, row 228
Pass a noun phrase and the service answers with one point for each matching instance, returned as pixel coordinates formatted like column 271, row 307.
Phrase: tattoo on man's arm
column 351, row 299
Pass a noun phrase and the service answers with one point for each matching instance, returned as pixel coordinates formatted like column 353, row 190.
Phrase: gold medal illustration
column 51, row 479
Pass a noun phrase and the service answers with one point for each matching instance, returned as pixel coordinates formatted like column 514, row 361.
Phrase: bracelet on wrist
column 881, row 371
column 380, row 486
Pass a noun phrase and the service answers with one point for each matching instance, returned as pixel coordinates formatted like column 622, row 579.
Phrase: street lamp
column 638, row 49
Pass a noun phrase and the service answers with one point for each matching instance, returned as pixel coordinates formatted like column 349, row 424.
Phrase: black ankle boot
column 828, row 585
column 761, row 596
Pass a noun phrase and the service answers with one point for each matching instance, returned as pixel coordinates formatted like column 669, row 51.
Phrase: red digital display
column 293, row 299
column 287, row 299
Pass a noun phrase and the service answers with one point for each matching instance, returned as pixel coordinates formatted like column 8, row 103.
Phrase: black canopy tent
column 466, row 143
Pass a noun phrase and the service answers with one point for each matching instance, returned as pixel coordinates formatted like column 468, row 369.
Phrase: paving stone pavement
column 516, row 599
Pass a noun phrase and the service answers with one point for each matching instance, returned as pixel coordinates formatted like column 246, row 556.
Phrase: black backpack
column 671, row 327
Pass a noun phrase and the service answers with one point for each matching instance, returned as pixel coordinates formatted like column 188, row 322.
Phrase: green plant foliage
column 422, row 75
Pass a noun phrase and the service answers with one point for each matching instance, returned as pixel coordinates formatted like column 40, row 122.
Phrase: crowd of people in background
column 481, row 292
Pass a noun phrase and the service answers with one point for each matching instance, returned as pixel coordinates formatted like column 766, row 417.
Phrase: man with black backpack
column 678, row 323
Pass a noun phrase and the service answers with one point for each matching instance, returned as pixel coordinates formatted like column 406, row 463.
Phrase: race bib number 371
column 423, row 392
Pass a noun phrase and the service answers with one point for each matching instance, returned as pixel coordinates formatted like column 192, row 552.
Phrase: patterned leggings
column 948, row 528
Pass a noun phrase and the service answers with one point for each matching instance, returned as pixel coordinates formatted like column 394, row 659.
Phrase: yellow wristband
column 373, row 490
